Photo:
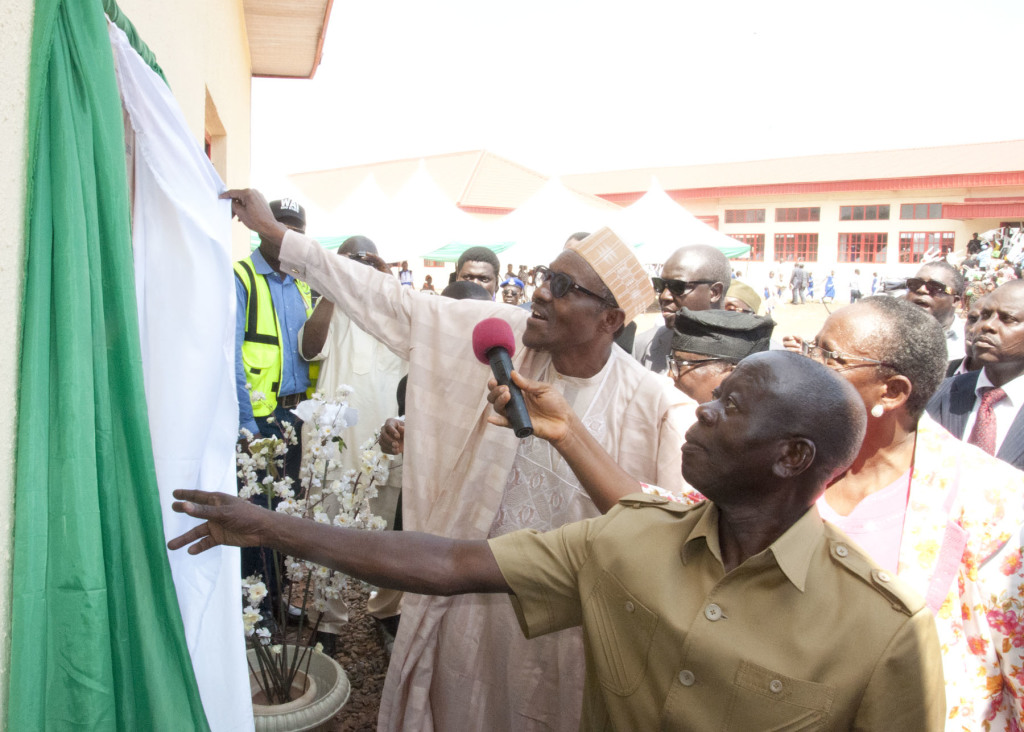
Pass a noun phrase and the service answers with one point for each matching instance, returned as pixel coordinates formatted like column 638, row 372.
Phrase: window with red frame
column 756, row 242
column 920, row 210
column 914, row 244
column 864, row 213
column 807, row 213
column 744, row 215
column 866, row 248
column 791, row 247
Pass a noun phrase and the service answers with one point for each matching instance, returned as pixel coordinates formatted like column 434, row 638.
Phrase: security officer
column 742, row 612
column 271, row 376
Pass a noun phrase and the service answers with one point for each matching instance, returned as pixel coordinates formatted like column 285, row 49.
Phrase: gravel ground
column 361, row 652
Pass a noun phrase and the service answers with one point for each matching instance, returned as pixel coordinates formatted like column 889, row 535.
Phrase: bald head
column 836, row 421
column 706, row 274
column 791, row 446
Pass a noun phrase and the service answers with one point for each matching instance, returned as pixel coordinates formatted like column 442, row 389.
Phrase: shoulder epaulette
column 895, row 591
column 646, row 500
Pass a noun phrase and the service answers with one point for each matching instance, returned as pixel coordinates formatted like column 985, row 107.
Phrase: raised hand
column 250, row 207
column 392, row 436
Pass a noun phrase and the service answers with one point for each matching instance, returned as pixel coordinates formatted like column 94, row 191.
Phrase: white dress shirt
column 1005, row 410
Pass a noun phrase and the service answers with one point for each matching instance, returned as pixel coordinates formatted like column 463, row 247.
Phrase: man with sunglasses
column 938, row 288
column 695, row 277
column 461, row 663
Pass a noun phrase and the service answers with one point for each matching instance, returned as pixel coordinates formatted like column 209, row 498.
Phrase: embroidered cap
column 619, row 269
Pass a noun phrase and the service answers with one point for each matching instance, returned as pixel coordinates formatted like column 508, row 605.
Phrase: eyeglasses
column 838, row 360
column 934, row 288
column 676, row 366
column 560, row 284
column 678, row 288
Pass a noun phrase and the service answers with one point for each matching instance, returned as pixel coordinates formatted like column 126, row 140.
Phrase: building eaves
column 286, row 39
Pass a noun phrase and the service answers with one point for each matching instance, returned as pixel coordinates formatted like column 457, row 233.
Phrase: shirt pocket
column 256, row 360
column 766, row 700
column 620, row 631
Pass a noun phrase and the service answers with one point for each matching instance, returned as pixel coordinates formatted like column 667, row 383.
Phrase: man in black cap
column 707, row 345
column 271, row 377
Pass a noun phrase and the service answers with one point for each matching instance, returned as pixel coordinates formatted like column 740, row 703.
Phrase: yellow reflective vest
column 262, row 355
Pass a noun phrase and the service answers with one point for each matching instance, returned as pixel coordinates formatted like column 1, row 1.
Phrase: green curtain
column 97, row 639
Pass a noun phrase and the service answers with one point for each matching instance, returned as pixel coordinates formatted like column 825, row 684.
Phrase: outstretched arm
column 553, row 420
column 403, row 560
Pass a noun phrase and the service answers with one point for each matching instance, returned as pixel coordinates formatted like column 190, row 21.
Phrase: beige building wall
column 203, row 50
column 16, row 30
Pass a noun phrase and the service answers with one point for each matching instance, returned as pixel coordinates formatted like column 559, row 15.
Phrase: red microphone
column 494, row 344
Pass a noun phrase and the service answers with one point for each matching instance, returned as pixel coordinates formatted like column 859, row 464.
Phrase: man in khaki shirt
column 744, row 612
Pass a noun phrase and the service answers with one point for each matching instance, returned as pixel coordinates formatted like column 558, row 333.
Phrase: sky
column 563, row 86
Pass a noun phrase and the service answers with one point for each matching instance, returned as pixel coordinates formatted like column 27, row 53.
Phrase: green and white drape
column 97, row 635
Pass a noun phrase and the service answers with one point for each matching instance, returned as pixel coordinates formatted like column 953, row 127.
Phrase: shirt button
column 712, row 612
column 883, row 577
column 630, row 607
column 842, row 551
column 775, row 685
column 686, row 678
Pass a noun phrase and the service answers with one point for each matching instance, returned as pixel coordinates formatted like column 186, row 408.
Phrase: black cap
column 721, row 333
column 288, row 210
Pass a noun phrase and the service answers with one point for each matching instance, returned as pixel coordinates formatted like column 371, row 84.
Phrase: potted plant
column 288, row 668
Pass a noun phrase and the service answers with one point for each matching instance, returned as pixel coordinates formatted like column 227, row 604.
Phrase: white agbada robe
column 457, row 470
column 181, row 236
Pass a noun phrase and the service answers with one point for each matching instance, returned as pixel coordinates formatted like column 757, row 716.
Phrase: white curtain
column 186, row 300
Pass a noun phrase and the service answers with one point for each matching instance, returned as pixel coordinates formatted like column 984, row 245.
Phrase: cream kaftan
column 447, row 670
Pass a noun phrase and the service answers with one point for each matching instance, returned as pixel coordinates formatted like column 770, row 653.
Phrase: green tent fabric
column 451, row 252
column 97, row 640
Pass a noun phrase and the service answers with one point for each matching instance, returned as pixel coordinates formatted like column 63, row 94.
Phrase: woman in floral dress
column 944, row 515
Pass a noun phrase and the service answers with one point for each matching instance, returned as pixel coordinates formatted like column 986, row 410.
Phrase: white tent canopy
column 367, row 211
column 658, row 226
column 426, row 219
column 550, row 216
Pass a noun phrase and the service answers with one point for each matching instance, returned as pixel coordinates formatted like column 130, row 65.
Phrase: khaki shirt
column 808, row 634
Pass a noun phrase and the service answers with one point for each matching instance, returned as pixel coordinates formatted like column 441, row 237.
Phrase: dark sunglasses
column 934, row 288
column 560, row 284
column 678, row 288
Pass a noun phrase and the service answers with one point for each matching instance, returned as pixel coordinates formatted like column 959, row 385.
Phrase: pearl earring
column 877, row 411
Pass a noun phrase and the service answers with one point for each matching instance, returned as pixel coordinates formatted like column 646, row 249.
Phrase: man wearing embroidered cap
column 461, row 663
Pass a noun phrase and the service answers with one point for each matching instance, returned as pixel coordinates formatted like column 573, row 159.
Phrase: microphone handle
column 515, row 410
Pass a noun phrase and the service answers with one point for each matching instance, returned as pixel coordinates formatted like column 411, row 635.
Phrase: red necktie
column 984, row 432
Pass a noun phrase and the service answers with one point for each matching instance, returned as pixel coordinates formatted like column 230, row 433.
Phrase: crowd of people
column 707, row 528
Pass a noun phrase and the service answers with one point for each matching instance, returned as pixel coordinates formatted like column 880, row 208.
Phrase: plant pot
column 327, row 693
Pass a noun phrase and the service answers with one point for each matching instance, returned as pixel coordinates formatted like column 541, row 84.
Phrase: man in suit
column 984, row 407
